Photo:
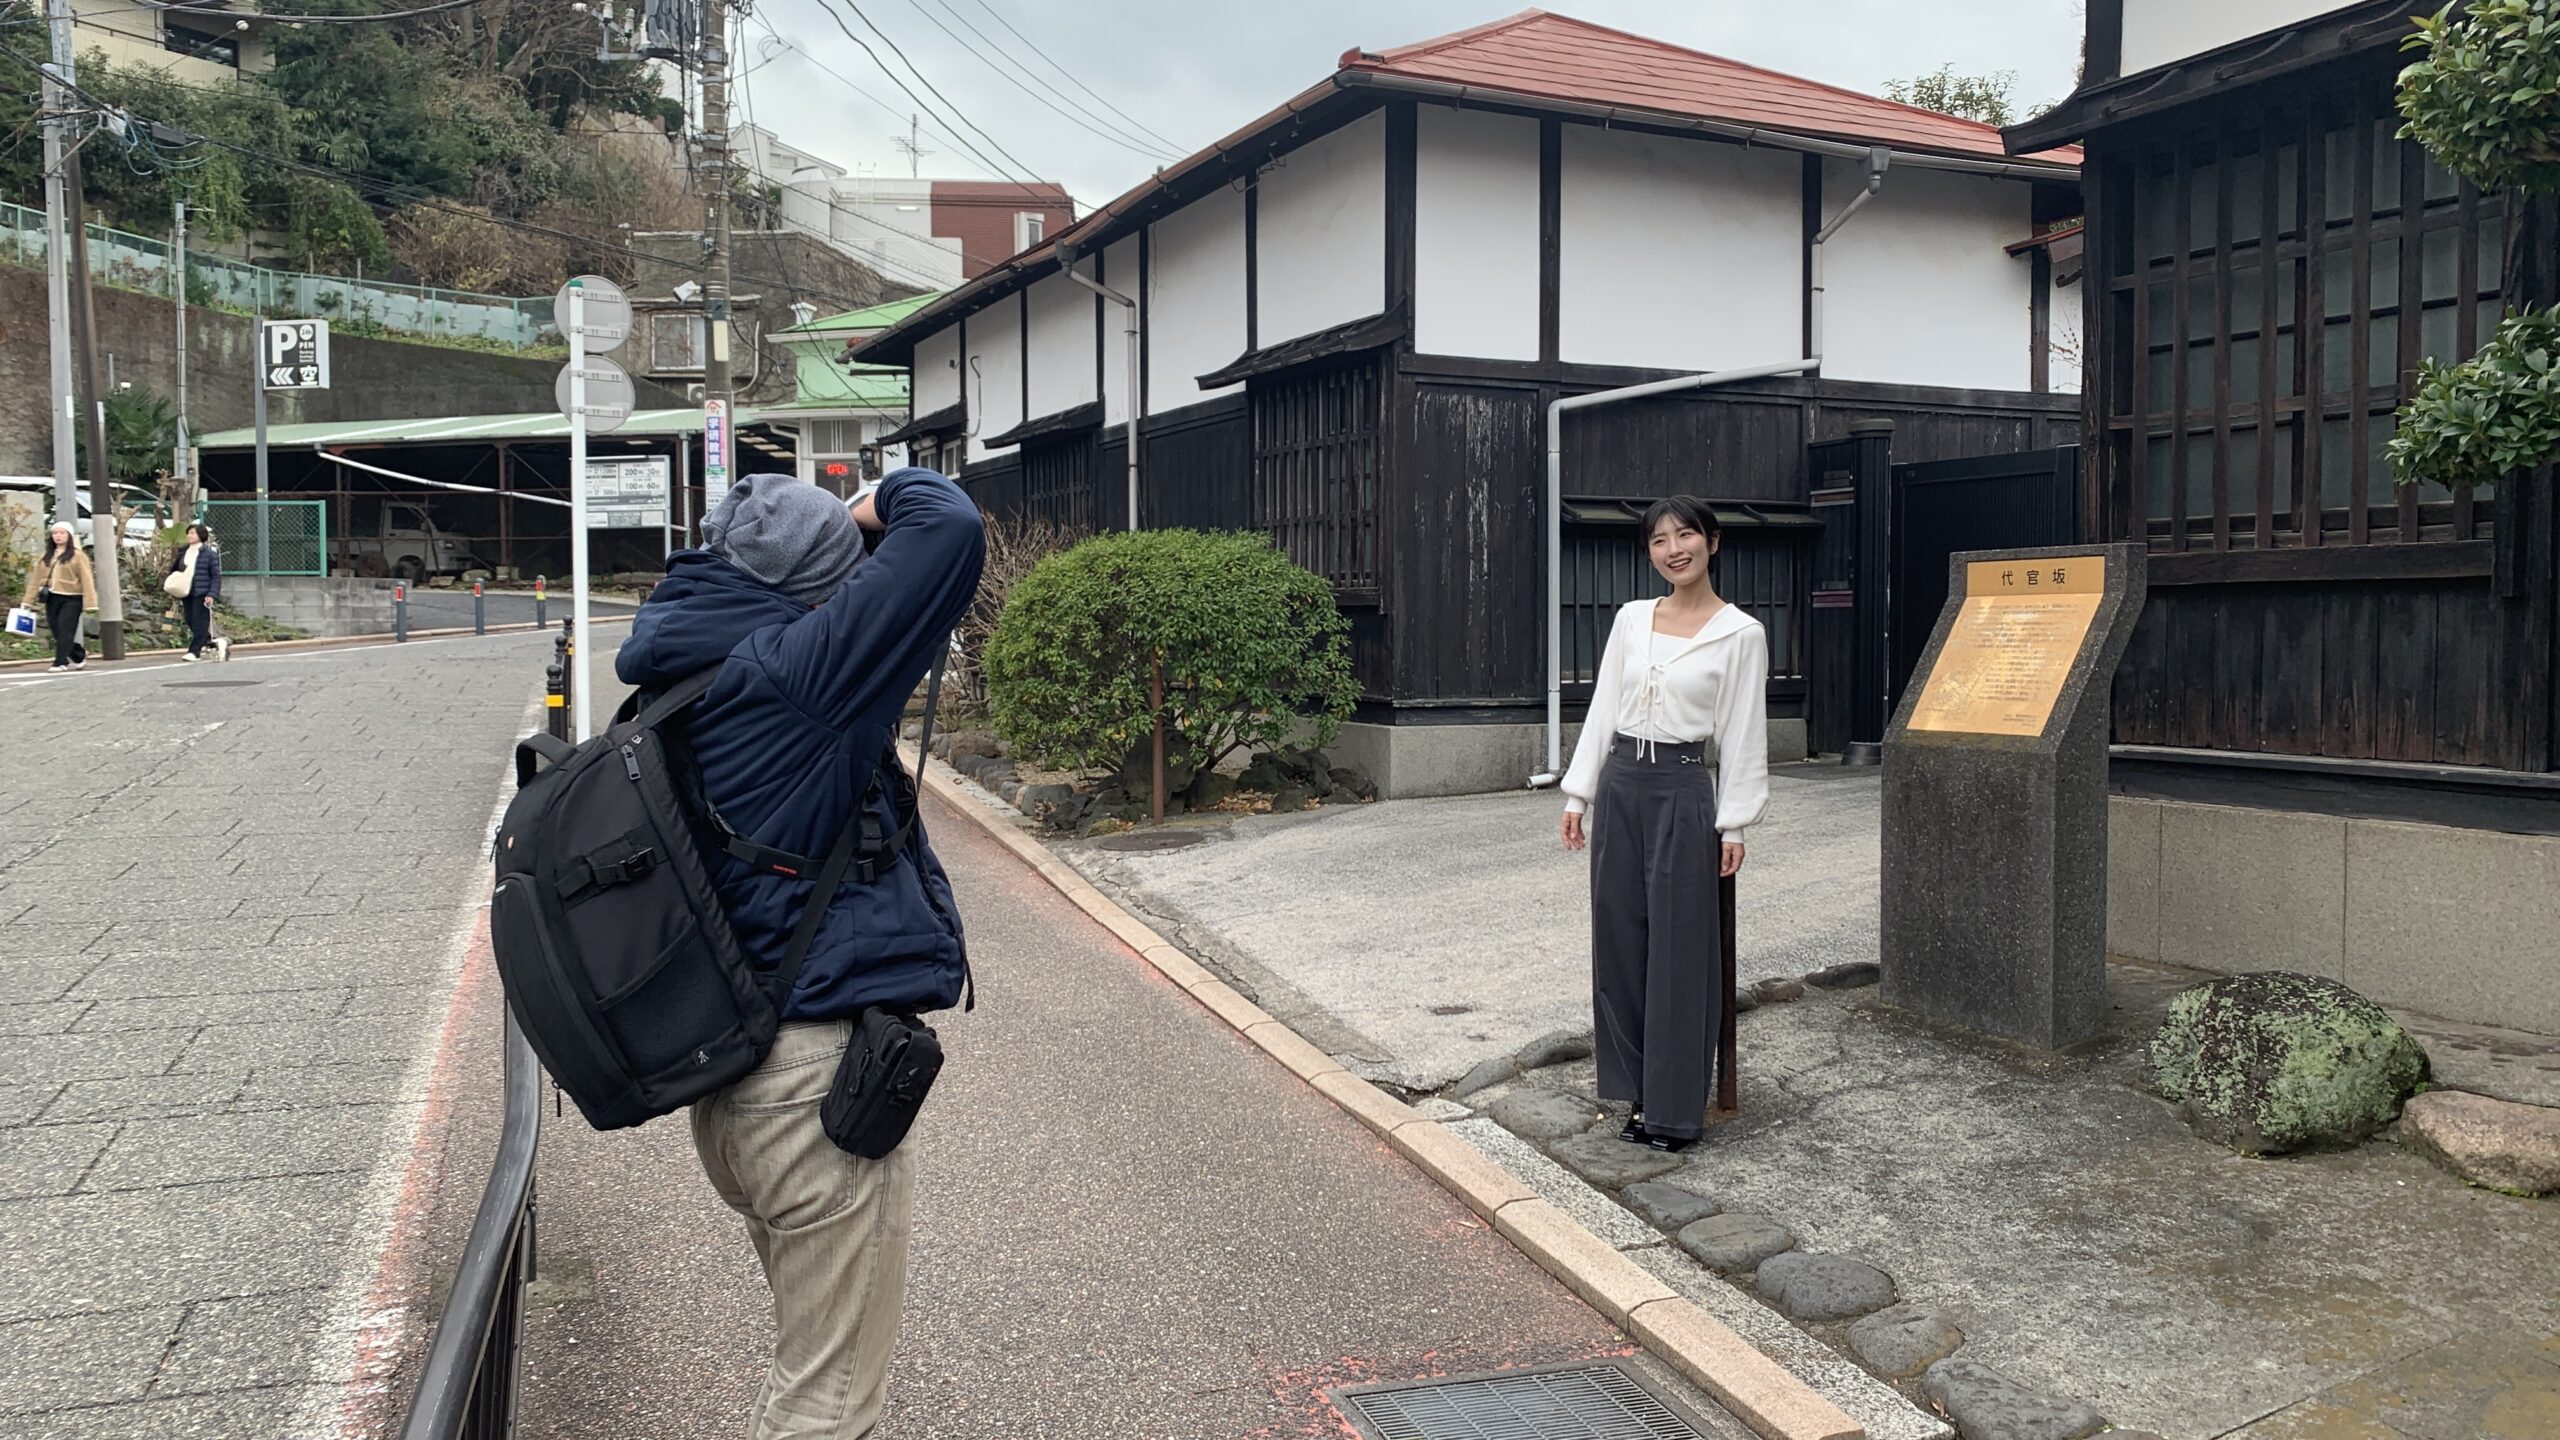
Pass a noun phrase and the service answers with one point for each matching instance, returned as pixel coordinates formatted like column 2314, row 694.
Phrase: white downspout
column 1878, row 157
column 1137, row 402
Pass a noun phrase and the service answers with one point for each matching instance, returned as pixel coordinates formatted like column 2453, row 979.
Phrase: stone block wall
column 315, row 605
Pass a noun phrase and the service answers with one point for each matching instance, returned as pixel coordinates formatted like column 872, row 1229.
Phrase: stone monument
column 1995, row 795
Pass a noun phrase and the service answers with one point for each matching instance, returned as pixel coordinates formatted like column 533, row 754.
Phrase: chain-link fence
column 297, row 536
column 138, row 262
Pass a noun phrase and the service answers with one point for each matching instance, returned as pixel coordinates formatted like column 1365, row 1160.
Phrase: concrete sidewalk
column 1131, row 1222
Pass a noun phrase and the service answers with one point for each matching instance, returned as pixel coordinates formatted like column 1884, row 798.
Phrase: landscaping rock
column 1011, row 793
column 1040, row 801
column 1554, row 1048
column 1731, row 1244
column 1600, row 1157
column 1823, row 1287
column 1778, row 991
column 1986, row 1405
column 1668, row 1206
column 2497, row 1143
column 1210, row 790
column 1353, row 783
column 1543, row 1114
column 2275, row 1061
column 1904, row 1340
column 1847, row 976
column 1289, row 799
column 1264, row 774
column 1744, row 1002
column 1486, row 1075
column 969, row 742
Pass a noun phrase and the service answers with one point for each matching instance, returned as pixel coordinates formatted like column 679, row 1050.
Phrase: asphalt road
column 1130, row 1222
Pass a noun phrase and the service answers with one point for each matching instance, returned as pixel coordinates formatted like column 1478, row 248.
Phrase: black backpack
column 617, row 957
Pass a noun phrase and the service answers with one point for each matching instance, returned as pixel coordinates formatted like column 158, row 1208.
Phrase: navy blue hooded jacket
column 788, row 738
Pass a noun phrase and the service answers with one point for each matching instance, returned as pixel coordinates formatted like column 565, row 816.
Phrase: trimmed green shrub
column 2497, row 412
column 1248, row 645
column 2484, row 96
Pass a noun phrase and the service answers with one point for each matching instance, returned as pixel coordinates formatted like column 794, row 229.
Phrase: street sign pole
column 583, row 680
column 258, row 409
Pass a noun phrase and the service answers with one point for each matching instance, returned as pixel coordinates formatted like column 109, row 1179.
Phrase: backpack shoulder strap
column 671, row 700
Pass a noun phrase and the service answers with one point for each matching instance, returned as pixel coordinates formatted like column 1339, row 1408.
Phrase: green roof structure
column 876, row 317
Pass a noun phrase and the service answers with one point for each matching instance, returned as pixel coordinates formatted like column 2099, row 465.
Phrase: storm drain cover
column 1583, row 1402
column 1150, row 840
column 205, row 684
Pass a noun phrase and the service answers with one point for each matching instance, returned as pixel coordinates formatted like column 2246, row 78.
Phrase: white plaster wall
column 1920, row 289
column 1061, row 345
column 994, row 374
column 1321, row 251
column 937, row 371
column 2159, row 32
column 1195, row 298
column 1120, row 272
column 1679, row 254
column 2063, row 351
column 1476, row 235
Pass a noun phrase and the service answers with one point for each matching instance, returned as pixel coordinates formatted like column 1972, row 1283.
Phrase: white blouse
column 1713, row 686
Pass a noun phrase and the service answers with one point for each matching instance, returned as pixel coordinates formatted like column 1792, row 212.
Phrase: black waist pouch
column 888, row 1068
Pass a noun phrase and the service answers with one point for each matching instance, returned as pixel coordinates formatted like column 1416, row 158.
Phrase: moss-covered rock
column 2276, row 1061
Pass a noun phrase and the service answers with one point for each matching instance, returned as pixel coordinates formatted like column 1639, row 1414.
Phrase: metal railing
column 473, row 1374
column 139, row 262
column 296, row 538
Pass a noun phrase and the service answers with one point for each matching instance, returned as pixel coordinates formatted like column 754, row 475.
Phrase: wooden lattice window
column 1057, row 482
column 2269, row 285
column 1318, row 447
column 1606, row 566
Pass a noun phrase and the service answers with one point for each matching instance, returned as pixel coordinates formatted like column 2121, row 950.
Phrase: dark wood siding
column 1468, row 529
column 1197, row 472
column 2266, row 270
column 1058, row 482
column 1319, row 447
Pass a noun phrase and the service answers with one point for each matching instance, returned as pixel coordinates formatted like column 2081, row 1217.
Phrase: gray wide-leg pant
column 1657, row 932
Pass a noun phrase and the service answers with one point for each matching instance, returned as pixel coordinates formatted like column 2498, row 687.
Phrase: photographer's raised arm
column 864, row 650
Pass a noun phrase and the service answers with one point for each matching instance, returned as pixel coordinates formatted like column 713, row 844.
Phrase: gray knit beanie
column 787, row 533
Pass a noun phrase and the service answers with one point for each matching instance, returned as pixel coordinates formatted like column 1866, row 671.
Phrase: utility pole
column 715, row 215
column 57, row 262
column 106, row 527
column 186, row 491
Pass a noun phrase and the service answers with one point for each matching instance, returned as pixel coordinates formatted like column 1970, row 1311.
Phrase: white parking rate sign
column 294, row 354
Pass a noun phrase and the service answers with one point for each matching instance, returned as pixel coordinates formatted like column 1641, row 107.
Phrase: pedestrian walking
column 62, row 576
column 1670, row 774
column 195, row 580
column 818, row 648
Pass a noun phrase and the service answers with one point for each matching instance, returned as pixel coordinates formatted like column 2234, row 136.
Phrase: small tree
column 142, row 433
column 1974, row 97
column 2484, row 98
column 1244, row 644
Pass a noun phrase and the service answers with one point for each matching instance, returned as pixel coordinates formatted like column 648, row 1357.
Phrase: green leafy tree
column 142, row 431
column 1247, row 644
column 1987, row 98
column 2484, row 98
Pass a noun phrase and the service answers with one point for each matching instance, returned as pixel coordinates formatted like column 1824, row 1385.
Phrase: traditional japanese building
column 2336, row 725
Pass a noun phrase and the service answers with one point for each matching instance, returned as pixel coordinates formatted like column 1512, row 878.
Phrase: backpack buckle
column 633, row 866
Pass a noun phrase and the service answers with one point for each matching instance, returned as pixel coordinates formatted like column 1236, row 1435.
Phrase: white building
column 1351, row 314
column 927, row 233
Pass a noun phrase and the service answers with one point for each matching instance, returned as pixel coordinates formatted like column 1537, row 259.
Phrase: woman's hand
column 1573, row 829
column 1732, row 863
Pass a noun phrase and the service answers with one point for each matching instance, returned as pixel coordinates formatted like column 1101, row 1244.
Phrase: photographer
column 819, row 647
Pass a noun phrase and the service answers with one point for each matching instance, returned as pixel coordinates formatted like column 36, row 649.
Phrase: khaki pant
column 831, row 1229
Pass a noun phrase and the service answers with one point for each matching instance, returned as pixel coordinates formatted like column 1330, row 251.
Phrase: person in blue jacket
column 819, row 646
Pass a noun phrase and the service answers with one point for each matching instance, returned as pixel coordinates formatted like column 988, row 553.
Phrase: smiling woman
column 1675, row 757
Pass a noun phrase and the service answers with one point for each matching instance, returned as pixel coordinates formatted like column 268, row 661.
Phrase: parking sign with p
column 294, row 354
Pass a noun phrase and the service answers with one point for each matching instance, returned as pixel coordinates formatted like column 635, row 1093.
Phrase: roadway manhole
column 207, row 684
column 1581, row 1402
column 1150, row 840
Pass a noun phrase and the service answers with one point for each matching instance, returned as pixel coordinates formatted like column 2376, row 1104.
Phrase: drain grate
column 1586, row 1402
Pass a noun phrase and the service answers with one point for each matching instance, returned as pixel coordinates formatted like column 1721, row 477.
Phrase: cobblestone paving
column 229, row 904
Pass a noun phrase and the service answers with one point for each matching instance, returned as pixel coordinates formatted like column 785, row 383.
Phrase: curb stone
column 1759, row 1391
column 1987, row 1405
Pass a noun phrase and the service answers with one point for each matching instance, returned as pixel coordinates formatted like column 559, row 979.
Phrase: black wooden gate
column 1987, row 502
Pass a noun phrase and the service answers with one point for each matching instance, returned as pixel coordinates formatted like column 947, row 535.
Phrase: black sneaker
column 1634, row 1132
column 1669, row 1144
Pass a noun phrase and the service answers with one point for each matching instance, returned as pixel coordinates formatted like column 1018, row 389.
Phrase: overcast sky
column 1192, row 70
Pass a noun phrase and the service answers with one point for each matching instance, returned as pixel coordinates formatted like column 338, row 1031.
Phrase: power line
column 1082, row 117
column 1173, row 145
column 229, row 13
column 874, row 28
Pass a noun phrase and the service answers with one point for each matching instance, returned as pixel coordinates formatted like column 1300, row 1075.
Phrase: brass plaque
column 2021, row 626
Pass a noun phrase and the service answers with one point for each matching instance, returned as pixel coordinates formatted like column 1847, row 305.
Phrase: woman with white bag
column 63, row 578
column 195, row 582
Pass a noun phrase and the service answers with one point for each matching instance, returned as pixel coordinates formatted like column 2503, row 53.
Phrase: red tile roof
column 1540, row 56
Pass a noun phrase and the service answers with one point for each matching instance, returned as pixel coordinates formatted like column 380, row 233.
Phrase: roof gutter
column 1721, row 129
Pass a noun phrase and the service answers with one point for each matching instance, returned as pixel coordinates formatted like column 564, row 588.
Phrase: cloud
column 1190, row 71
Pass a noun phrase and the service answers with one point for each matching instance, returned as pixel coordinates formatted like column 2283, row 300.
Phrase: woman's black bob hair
column 1689, row 511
